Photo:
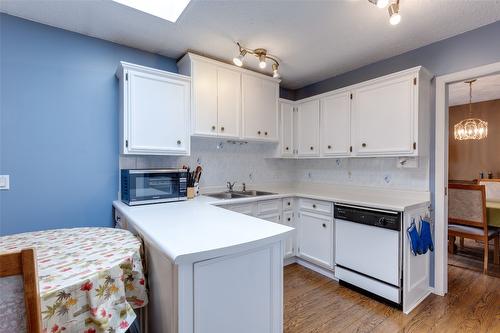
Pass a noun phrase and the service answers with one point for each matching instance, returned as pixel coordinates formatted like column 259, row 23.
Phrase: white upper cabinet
column 336, row 125
column 387, row 116
column 260, row 108
column 228, row 102
column 154, row 111
column 204, row 87
column 308, row 128
column 231, row 102
column 383, row 116
column 286, row 125
column 216, row 103
column 391, row 115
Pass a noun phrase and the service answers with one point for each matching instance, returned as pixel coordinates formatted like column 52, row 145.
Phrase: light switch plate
column 4, row 182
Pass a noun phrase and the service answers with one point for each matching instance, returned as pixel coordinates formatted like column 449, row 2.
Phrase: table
column 90, row 279
column 493, row 213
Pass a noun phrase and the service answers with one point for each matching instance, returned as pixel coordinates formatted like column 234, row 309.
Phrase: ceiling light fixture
column 261, row 54
column 167, row 10
column 394, row 16
column 471, row 128
column 382, row 3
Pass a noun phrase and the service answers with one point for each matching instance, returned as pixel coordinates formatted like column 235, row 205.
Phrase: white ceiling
column 486, row 88
column 314, row 39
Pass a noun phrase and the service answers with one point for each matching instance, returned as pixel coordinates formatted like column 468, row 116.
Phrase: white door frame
column 441, row 171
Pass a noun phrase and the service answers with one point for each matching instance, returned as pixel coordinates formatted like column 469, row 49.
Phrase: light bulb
column 394, row 17
column 382, row 3
column 276, row 75
column 238, row 61
column 262, row 61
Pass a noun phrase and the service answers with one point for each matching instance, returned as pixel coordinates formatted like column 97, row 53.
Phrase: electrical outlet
column 4, row 182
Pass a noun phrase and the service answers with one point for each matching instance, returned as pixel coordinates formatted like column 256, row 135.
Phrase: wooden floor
column 471, row 257
column 314, row 303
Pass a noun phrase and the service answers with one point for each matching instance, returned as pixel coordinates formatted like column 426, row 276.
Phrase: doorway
column 441, row 167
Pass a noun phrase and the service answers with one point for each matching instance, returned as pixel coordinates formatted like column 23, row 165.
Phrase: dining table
column 90, row 280
column 493, row 213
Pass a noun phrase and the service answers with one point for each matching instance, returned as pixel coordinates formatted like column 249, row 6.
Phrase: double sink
column 238, row 194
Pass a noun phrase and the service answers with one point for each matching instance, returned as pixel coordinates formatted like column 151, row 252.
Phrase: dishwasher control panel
column 369, row 216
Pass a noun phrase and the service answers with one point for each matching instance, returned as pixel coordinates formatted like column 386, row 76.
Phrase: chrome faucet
column 244, row 187
column 230, row 186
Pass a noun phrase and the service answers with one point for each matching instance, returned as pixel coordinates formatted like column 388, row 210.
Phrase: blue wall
column 59, row 125
column 470, row 49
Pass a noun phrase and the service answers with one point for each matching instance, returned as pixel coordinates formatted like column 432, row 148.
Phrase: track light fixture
column 394, row 16
column 260, row 54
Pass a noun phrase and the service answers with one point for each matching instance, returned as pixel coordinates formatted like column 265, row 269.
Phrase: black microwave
column 147, row 186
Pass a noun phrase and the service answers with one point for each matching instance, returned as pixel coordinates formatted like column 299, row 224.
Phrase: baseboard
column 318, row 269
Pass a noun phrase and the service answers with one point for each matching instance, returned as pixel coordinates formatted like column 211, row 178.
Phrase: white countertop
column 397, row 200
column 195, row 230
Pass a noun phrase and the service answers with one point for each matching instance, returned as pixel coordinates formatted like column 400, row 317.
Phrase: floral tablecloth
column 90, row 279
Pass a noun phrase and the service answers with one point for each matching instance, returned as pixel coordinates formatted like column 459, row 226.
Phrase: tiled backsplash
column 253, row 163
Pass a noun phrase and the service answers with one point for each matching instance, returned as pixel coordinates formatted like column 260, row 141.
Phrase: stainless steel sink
column 238, row 194
column 253, row 193
column 226, row 195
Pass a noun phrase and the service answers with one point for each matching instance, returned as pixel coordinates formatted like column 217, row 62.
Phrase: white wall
column 253, row 163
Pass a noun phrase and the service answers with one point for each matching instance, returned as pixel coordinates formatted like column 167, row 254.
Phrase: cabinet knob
column 286, row 148
column 265, row 133
column 288, row 219
column 363, row 145
column 258, row 132
column 329, row 147
column 179, row 142
column 222, row 128
column 288, row 203
column 324, row 225
column 213, row 128
column 314, row 205
column 312, row 148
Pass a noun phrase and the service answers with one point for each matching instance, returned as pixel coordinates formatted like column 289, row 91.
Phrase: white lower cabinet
column 315, row 238
column 289, row 220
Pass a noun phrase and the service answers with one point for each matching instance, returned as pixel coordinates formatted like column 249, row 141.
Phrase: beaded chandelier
column 471, row 128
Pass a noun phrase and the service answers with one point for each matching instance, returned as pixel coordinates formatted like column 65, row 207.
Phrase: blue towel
column 416, row 245
column 426, row 236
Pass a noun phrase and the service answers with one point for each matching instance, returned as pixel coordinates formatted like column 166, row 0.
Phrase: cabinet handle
column 213, row 128
column 286, row 148
column 179, row 142
column 363, row 145
column 265, row 133
column 324, row 225
column 312, row 148
column 314, row 205
column 329, row 147
column 258, row 132
column 222, row 128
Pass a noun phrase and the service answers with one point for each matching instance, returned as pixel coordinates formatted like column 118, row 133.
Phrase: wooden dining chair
column 24, row 263
column 467, row 217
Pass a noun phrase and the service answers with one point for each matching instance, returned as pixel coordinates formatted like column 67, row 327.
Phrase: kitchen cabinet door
column 315, row 238
column 155, row 112
column 383, row 117
column 336, row 125
column 260, row 108
column 308, row 129
column 289, row 220
column 228, row 102
column 287, row 148
column 204, row 98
